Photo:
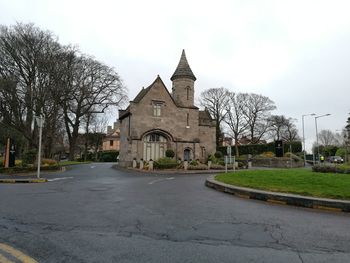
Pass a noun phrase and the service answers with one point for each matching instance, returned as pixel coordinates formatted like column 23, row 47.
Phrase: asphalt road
column 94, row 213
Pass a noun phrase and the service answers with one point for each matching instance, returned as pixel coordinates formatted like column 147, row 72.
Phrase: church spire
column 183, row 69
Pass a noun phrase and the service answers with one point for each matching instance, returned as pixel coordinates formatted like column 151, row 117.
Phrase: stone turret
column 183, row 83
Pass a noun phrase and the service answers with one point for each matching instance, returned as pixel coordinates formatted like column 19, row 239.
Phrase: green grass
column 296, row 181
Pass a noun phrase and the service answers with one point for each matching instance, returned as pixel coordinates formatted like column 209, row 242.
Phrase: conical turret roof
column 183, row 70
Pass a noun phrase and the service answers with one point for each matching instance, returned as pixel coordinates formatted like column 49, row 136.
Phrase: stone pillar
column 209, row 165
column 249, row 161
column 150, row 165
column 141, row 164
column 185, row 165
column 134, row 164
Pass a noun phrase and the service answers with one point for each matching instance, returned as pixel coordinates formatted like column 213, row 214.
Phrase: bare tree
column 26, row 67
column 257, row 112
column 215, row 100
column 326, row 138
column 290, row 132
column 235, row 116
column 277, row 125
column 91, row 88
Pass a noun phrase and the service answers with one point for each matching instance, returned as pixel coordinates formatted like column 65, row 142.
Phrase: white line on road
column 60, row 178
column 92, row 167
column 160, row 180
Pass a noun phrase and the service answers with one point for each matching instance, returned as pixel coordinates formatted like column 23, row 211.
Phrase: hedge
column 341, row 169
column 256, row 149
column 19, row 169
column 108, row 156
column 165, row 163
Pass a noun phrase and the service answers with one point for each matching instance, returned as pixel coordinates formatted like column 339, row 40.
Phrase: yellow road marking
column 242, row 196
column 5, row 260
column 17, row 254
column 277, row 201
column 334, row 209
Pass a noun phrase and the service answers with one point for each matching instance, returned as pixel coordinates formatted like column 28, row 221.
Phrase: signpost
column 40, row 122
column 229, row 159
column 10, row 154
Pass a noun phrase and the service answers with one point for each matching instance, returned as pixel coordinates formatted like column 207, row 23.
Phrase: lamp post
column 318, row 147
column 302, row 117
column 39, row 121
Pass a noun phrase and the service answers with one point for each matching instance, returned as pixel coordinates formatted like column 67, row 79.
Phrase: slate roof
column 205, row 119
column 183, row 69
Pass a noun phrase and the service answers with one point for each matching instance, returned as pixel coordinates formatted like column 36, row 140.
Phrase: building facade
column 157, row 120
column 111, row 142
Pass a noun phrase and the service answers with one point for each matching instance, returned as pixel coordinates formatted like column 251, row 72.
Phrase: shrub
column 165, row 163
column 194, row 163
column 29, row 157
column 198, row 166
column 169, row 153
column 341, row 152
column 20, row 169
column 344, row 169
column 108, row 156
column 218, row 154
column 211, row 158
column 48, row 162
column 268, row 154
column 215, row 166
column 1, row 162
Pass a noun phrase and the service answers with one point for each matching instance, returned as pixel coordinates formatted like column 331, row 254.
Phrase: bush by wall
column 169, row 153
column 165, row 163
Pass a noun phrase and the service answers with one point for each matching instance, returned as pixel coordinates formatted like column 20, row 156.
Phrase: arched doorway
column 154, row 146
column 187, row 154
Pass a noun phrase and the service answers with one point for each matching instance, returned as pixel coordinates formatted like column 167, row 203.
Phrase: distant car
column 335, row 159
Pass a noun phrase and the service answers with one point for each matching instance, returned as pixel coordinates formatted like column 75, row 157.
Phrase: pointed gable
column 144, row 91
column 183, row 69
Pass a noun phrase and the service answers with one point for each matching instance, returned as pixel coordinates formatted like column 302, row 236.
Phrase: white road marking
column 92, row 167
column 60, row 178
column 159, row 180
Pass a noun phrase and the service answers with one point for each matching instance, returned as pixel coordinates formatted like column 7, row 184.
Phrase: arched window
column 188, row 92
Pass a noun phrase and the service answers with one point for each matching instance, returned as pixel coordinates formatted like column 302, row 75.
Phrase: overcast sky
column 295, row 52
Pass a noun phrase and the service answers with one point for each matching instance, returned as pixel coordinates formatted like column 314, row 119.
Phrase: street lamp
column 318, row 147
column 40, row 122
column 302, row 117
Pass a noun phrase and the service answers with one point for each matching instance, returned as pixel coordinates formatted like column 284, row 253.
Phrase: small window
column 188, row 121
column 157, row 109
column 188, row 93
column 111, row 143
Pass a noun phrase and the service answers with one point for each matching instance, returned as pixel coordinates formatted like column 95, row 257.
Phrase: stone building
column 157, row 120
column 111, row 142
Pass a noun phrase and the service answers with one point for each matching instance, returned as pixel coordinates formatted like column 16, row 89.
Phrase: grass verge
column 296, row 181
column 65, row 163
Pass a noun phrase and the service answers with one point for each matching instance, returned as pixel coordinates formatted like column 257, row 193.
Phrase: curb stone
column 280, row 198
column 27, row 180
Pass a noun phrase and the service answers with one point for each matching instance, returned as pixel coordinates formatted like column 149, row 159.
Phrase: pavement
column 94, row 213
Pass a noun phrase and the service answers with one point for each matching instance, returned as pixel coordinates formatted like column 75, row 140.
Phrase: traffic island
column 279, row 198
